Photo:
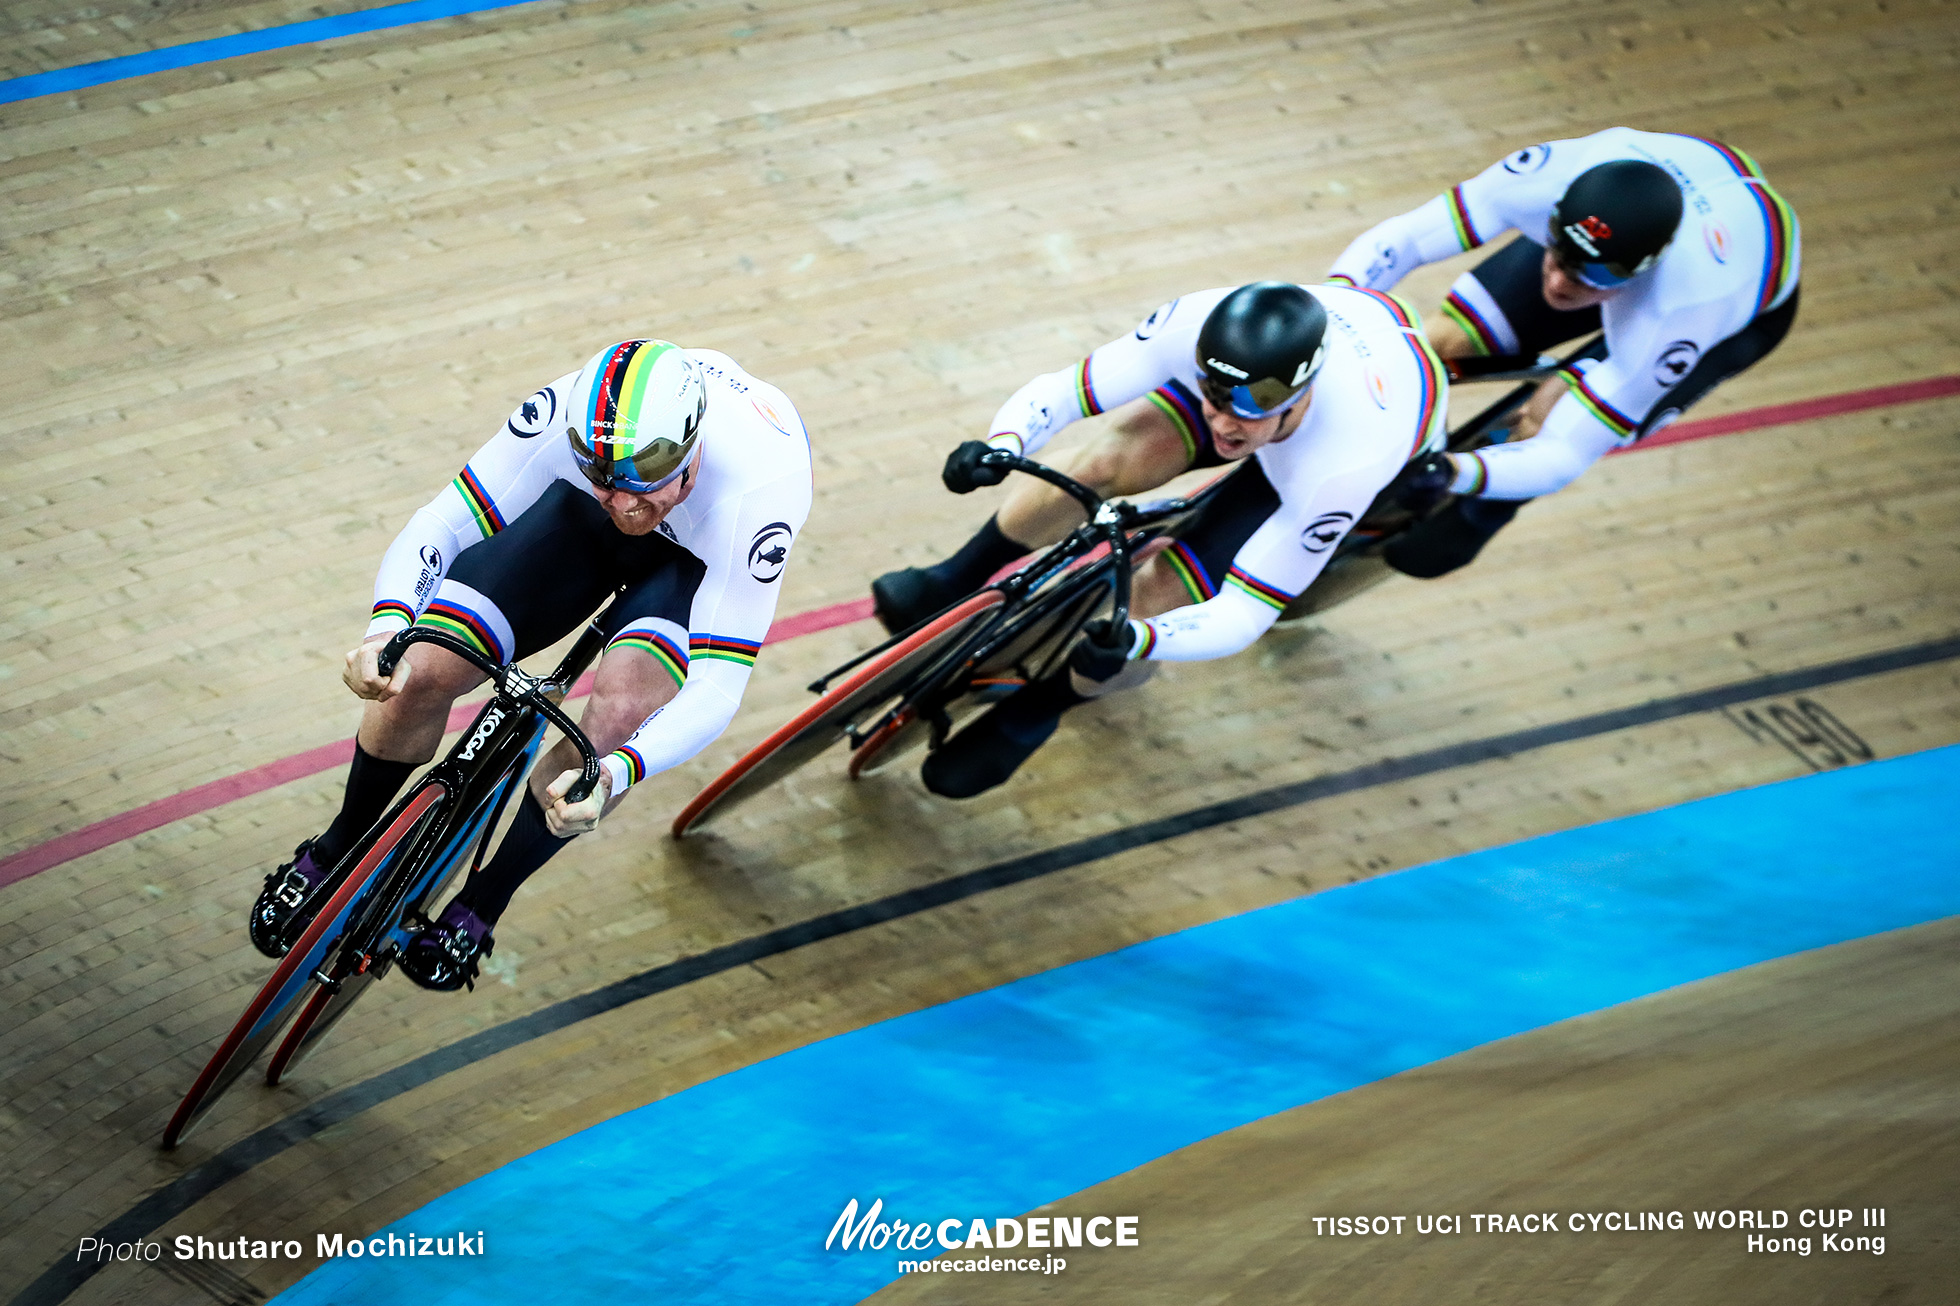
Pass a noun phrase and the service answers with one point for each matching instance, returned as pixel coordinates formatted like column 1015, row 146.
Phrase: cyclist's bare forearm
column 1532, row 418
column 1138, row 451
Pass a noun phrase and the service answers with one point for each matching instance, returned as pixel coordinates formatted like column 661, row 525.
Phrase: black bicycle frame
column 476, row 778
column 1120, row 527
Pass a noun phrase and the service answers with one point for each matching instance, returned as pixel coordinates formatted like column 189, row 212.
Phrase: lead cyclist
column 668, row 477
column 1675, row 245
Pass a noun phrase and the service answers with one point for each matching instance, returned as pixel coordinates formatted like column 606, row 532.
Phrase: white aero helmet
column 634, row 415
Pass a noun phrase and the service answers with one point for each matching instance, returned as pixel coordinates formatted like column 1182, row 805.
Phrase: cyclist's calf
column 1139, row 450
column 409, row 727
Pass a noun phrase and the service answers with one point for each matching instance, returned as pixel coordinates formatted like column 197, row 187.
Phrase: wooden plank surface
column 1815, row 1083
column 259, row 311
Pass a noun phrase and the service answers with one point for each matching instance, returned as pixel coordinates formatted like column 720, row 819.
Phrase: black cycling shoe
column 986, row 753
column 444, row 956
column 904, row 598
column 277, row 918
column 1451, row 539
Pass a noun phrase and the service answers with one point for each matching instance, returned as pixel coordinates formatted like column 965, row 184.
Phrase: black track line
column 163, row 1205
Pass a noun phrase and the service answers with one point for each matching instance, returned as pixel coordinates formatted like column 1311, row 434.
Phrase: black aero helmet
column 1614, row 220
column 1260, row 348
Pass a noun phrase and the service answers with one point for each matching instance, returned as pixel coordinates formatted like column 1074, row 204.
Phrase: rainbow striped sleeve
column 1429, row 369
column 1085, row 390
column 482, row 507
column 1189, row 571
column 466, row 625
column 1181, row 406
column 1343, row 279
column 663, row 650
column 1779, row 222
column 1460, row 311
column 723, row 648
column 1149, row 644
column 632, row 765
column 1430, row 372
column 1466, row 230
column 1616, row 421
column 1271, row 595
column 394, row 610
column 1779, row 265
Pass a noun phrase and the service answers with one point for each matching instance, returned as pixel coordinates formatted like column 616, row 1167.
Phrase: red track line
column 90, row 838
column 1804, row 410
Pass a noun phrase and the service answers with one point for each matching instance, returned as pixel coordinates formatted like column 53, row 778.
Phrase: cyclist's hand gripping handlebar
column 970, row 466
column 995, row 464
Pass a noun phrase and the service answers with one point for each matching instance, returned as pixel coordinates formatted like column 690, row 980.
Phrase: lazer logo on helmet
column 1218, row 365
column 1579, row 235
column 492, row 718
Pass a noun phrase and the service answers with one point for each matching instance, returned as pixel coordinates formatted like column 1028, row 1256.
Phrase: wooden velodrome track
column 257, row 311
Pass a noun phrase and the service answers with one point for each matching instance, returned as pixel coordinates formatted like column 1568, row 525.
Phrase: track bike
column 375, row 899
column 916, row 686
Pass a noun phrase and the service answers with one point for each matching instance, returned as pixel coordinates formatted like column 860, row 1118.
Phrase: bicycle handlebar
column 1502, row 367
column 532, row 694
column 1111, row 521
column 1075, row 489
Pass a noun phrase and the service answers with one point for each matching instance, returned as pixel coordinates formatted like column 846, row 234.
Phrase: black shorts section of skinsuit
column 1514, row 278
column 1240, row 506
column 550, row 569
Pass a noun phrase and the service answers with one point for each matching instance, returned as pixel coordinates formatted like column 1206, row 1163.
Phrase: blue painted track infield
column 281, row 37
column 1003, row 1101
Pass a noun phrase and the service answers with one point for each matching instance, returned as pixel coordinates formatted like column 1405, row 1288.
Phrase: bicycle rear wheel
column 1028, row 645
column 322, row 1010
column 825, row 721
column 292, row 980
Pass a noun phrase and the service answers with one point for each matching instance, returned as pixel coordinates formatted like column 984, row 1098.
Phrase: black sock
column 372, row 784
column 978, row 559
column 1034, row 708
column 1489, row 515
column 529, row 845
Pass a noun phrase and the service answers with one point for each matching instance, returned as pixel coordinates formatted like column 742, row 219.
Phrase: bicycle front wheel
column 322, row 1010
column 292, row 981
column 356, row 969
column 826, row 721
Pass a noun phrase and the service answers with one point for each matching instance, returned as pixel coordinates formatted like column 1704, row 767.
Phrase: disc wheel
column 292, row 979
column 825, row 721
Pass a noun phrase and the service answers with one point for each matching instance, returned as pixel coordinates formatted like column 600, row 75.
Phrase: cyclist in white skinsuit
column 1675, row 245
column 1321, row 396
column 670, row 477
